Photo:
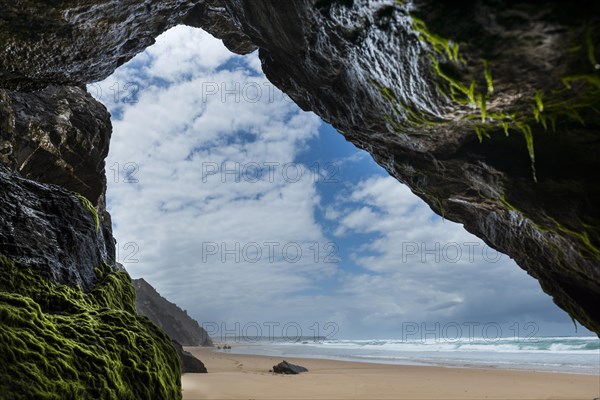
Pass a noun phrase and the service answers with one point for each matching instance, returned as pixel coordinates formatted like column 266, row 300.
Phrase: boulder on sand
column 189, row 364
column 285, row 367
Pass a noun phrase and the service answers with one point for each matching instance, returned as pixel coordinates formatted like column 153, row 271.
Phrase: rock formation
column 286, row 368
column 188, row 363
column 488, row 110
column 48, row 229
column 43, row 43
column 168, row 316
column 59, row 135
column 68, row 321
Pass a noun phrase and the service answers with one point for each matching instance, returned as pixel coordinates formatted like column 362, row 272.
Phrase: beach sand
column 232, row 376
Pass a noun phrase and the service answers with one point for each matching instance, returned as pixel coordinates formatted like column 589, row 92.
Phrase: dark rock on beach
column 288, row 369
column 189, row 363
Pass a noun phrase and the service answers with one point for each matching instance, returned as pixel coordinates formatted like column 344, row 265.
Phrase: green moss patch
column 57, row 342
column 567, row 100
column 90, row 208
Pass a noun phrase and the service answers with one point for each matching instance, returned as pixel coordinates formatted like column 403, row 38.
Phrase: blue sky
column 243, row 209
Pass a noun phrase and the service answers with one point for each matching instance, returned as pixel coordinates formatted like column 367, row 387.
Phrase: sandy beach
column 233, row 376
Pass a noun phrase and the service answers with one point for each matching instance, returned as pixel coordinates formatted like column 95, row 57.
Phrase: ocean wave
column 579, row 345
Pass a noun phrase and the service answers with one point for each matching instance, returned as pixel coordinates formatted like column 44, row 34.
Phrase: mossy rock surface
column 57, row 342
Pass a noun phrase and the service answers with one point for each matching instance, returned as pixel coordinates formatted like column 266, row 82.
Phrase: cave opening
column 245, row 210
column 269, row 228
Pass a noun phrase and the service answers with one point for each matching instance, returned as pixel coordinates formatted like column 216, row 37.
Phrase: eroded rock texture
column 59, row 135
column 56, row 135
column 188, row 363
column 69, row 328
column 72, row 42
column 48, row 229
column 43, row 42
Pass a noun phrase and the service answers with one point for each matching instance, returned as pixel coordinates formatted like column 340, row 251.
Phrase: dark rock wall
column 188, row 363
column 59, row 135
column 53, row 132
column 69, row 328
column 46, row 228
column 53, row 41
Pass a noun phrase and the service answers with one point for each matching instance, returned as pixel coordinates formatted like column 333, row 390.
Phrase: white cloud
column 419, row 267
column 185, row 52
column 177, row 132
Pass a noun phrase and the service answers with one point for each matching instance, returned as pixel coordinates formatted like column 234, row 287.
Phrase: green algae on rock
column 90, row 208
column 58, row 342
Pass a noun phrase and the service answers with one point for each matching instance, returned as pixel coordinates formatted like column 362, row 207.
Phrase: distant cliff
column 168, row 316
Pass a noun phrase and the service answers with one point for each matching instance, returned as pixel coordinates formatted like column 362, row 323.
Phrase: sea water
column 556, row 354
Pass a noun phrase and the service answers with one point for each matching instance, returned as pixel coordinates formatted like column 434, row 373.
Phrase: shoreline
column 415, row 363
column 242, row 376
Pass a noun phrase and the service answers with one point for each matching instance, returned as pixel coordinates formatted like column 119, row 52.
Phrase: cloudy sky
column 243, row 209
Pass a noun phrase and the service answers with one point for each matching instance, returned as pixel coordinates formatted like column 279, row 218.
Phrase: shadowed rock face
column 56, row 135
column 59, row 135
column 72, row 42
column 417, row 84
column 187, row 362
column 53, row 41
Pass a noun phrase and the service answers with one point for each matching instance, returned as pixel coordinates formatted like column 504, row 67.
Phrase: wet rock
column 42, row 43
column 58, row 296
column 48, row 229
column 429, row 88
column 213, row 17
column 59, row 135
